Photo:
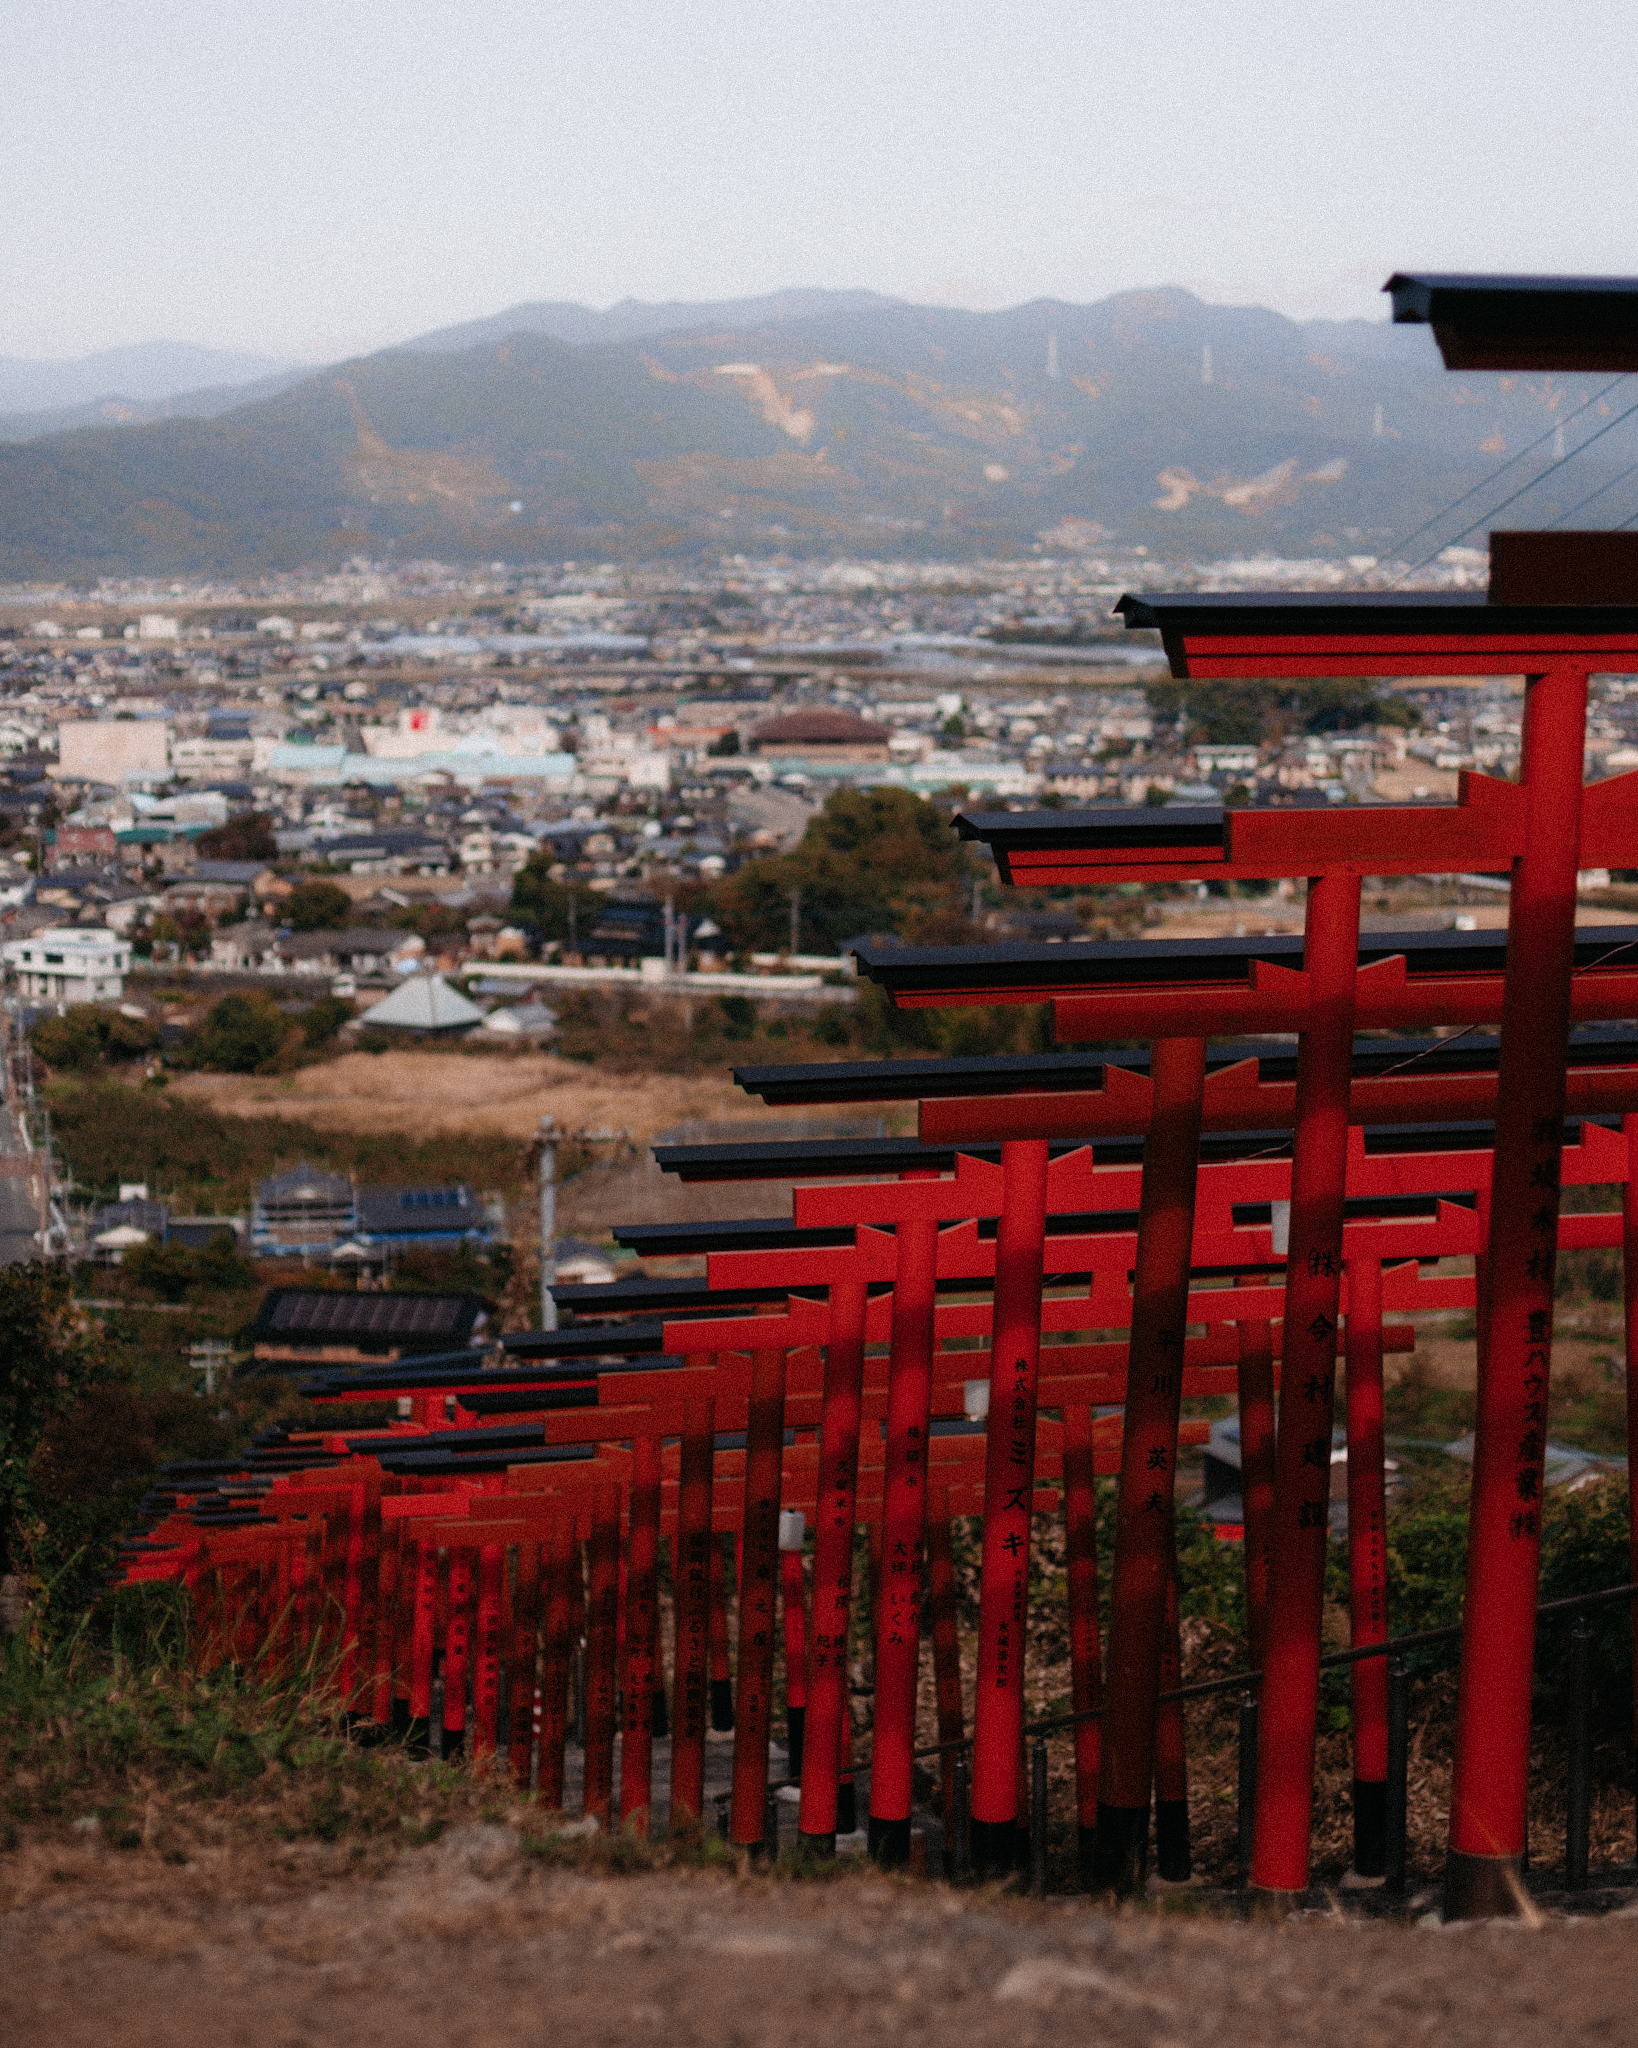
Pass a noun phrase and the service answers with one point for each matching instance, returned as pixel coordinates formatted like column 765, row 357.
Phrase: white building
column 197, row 760
column 71, row 964
column 109, row 749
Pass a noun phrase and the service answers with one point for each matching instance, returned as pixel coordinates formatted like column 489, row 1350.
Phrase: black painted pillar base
column 847, row 1808
column 1482, row 1887
column 722, row 1705
column 1371, row 1827
column 890, row 1843
column 400, row 1716
column 1173, row 1861
column 418, row 1737
column 659, row 1716
column 822, row 1848
column 993, row 1847
column 454, row 1744
column 795, row 1718
column 1121, row 1859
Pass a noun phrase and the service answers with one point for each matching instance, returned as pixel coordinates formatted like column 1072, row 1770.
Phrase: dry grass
column 429, row 1093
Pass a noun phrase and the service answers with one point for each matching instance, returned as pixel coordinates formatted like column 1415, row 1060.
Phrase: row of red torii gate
column 1240, row 1212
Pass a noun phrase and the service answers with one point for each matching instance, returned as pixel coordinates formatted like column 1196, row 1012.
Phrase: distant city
column 417, row 734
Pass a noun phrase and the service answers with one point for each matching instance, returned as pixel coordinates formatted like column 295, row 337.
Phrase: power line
column 1621, row 478
column 1512, row 462
column 1523, row 490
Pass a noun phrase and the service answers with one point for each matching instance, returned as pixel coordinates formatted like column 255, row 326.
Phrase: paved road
column 19, row 1196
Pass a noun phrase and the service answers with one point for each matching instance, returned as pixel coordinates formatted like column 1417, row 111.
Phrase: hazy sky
column 320, row 177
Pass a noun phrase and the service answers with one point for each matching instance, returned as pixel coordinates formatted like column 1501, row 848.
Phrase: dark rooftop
column 409, row 1322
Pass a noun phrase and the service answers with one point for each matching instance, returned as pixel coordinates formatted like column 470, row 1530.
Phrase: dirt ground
column 473, row 1941
column 508, row 1094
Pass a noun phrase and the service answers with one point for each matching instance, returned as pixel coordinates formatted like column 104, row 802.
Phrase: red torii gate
column 901, row 1201
column 1525, row 827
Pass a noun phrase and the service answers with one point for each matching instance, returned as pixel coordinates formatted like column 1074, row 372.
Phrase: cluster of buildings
column 312, row 1215
column 417, row 735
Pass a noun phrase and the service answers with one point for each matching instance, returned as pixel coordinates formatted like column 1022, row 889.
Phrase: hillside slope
column 868, row 426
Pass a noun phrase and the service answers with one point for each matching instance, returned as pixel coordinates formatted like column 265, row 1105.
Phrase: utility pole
column 208, row 1358
column 548, row 1221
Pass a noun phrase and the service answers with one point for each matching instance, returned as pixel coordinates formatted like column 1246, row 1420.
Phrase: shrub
column 242, row 1035
column 318, row 906
column 48, row 1361
column 738, row 1017
column 322, row 1020
column 245, row 838
column 86, row 1036
column 173, row 1270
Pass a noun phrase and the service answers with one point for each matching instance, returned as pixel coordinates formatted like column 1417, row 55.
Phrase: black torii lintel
column 1522, row 323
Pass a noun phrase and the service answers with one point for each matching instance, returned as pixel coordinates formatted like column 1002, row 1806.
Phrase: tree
column 544, row 905
column 321, row 1021
column 242, row 1035
column 249, row 837
column 85, row 1036
column 876, row 860
column 1258, row 713
column 48, row 1360
column 173, row 1270
column 318, row 906
column 166, row 1271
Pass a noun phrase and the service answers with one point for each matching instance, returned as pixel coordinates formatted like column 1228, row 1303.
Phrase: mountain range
column 147, row 380
column 812, row 423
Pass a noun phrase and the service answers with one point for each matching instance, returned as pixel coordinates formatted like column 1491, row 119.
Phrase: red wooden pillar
column 1085, row 1677
column 1256, row 1402
column 602, row 1627
column 1290, row 1695
column 486, row 1663
column 693, row 1615
column 388, row 1593
column 557, row 1655
column 422, row 1639
column 1154, row 1391
column 642, row 1637
column 904, row 1514
column 522, row 1658
column 1009, row 1481
column 1368, row 1563
column 941, row 1602
column 758, row 1596
column 832, row 1567
column 1487, row 1801
column 457, row 1647
column 793, row 1594
column 352, row 1619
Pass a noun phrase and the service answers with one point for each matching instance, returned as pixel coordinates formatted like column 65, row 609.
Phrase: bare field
column 473, row 1941
column 425, row 1093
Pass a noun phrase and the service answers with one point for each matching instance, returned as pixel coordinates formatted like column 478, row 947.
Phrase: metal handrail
column 1242, row 1681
